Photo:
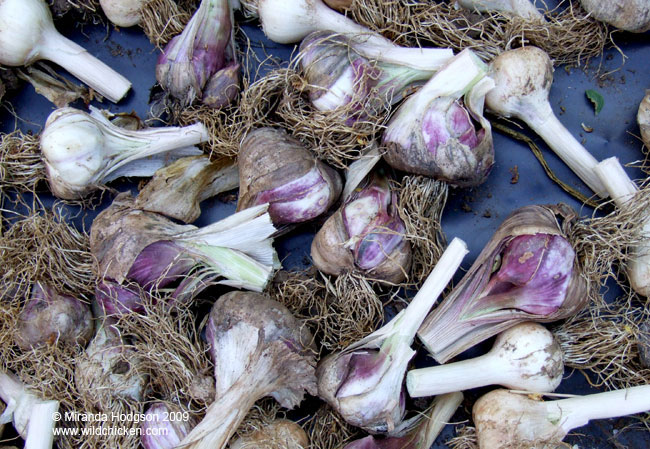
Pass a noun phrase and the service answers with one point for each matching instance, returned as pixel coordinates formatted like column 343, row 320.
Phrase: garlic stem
column 143, row 143
column 10, row 387
column 221, row 419
column 621, row 188
column 578, row 411
column 572, row 153
column 76, row 60
column 463, row 375
column 521, row 8
column 442, row 273
column 289, row 21
column 40, row 433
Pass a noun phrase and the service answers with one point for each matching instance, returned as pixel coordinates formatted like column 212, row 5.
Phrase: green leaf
column 596, row 99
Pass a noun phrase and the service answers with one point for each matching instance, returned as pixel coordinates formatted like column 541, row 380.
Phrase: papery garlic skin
column 161, row 432
column 82, row 151
column 49, row 317
column 521, row 8
column 366, row 234
column 275, row 168
column 123, row 13
column 628, row 15
column 27, row 34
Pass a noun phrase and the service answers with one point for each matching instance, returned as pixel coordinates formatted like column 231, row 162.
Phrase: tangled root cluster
column 569, row 35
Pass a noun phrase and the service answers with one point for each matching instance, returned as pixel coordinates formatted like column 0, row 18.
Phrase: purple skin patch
column 364, row 370
column 381, row 235
column 291, row 202
column 371, row 442
column 384, row 234
column 117, row 299
column 533, row 277
column 438, row 126
column 168, row 434
column 160, row 263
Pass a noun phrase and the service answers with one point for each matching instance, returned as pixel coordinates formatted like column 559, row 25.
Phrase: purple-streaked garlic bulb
column 277, row 169
column 341, row 77
column 223, row 87
column 440, row 130
column 49, row 317
column 165, row 427
column 259, row 349
column 109, row 369
column 140, row 249
column 190, row 59
column 365, row 234
column 528, row 271
column 364, row 382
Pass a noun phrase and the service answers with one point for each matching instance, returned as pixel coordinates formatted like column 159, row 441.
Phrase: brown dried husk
column 173, row 357
column 21, row 167
column 421, row 203
column 603, row 341
column 338, row 310
column 570, row 36
column 465, row 438
column 39, row 245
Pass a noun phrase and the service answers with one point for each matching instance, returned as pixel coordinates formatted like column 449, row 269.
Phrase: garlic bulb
column 82, row 151
column 49, row 317
column 528, row 271
column 277, row 169
column 27, row 34
column 523, row 79
column 123, row 13
column 435, row 133
column 628, row 15
column 259, row 349
column 365, row 234
column 524, row 357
